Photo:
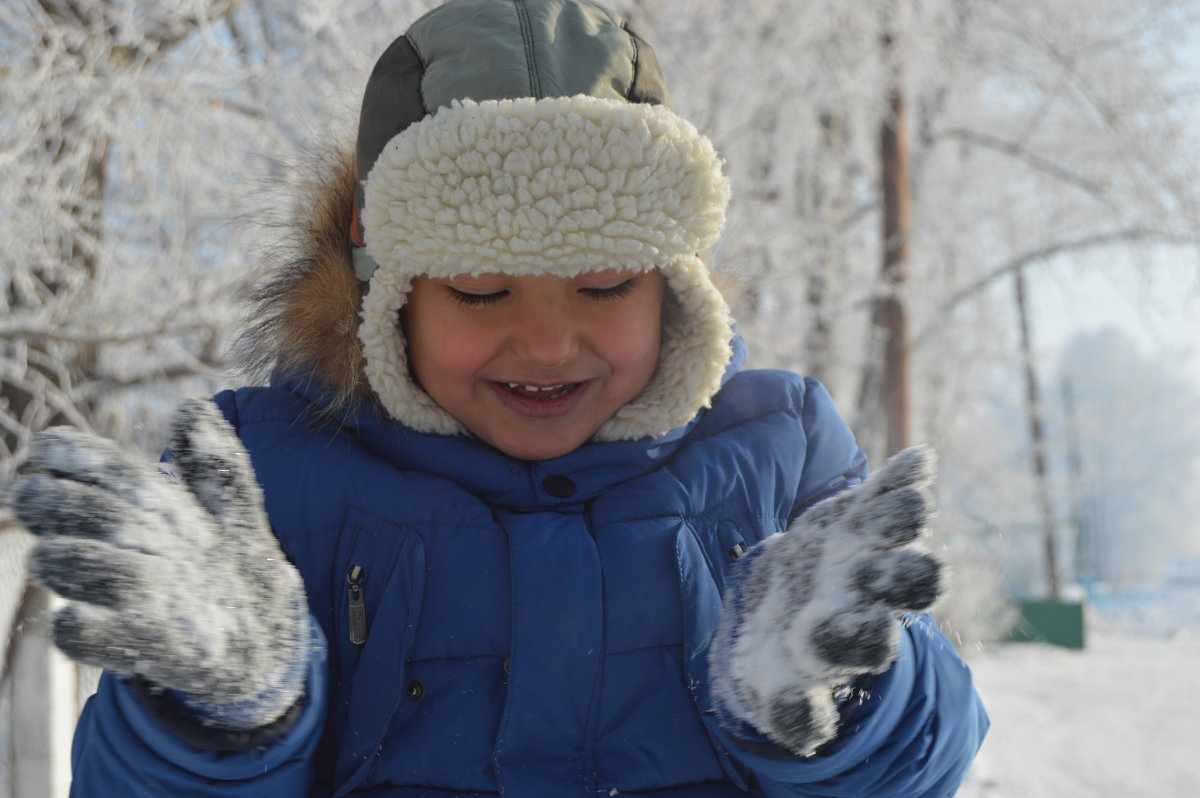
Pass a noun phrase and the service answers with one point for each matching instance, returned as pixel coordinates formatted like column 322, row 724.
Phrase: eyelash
column 477, row 300
column 616, row 292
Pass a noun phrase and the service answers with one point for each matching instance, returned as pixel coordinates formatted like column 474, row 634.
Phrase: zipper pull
column 356, row 607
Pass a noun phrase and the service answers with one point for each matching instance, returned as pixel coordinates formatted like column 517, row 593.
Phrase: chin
column 552, row 447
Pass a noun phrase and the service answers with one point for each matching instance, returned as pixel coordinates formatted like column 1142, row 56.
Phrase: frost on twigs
column 180, row 583
column 809, row 610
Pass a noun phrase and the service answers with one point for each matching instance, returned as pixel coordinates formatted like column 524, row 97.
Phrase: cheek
column 447, row 356
column 634, row 342
column 440, row 353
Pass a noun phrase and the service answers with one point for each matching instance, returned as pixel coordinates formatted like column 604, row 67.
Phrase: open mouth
column 540, row 393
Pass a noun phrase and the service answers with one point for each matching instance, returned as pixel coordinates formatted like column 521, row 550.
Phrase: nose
column 546, row 337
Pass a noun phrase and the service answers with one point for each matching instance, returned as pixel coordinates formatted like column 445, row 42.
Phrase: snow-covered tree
column 134, row 139
column 1134, row 460
column 1038, row 131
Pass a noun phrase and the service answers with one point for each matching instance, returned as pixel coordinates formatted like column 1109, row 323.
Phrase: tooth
column 517, row 386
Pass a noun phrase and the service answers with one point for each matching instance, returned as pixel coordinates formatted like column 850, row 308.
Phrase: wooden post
column 44, row 704
column 1037, row 440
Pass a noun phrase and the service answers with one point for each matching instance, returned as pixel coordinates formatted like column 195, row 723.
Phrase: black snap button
column 416, row 690
column 558, row 486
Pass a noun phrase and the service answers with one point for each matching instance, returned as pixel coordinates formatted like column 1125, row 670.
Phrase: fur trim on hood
column 304, row 316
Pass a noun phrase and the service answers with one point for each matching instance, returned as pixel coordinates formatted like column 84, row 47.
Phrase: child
column 500, row 506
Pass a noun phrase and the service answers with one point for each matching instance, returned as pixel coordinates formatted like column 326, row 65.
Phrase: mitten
column 181, row 583
column 809, row 610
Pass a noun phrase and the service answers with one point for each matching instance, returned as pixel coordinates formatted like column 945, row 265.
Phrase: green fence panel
column 1059, row 623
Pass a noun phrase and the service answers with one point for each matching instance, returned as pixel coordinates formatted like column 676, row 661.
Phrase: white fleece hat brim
column 562, row 186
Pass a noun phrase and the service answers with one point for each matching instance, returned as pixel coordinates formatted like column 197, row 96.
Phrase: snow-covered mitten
column 180, row 583
column 809, row 610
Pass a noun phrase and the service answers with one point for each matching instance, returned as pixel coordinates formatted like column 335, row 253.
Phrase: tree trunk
column 891, row 312
column 827, row 203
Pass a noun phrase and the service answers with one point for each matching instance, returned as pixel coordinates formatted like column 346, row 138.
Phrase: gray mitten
column 809, row 610
column 181, row 584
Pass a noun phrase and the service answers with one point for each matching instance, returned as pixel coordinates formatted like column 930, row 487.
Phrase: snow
column 1119, row 718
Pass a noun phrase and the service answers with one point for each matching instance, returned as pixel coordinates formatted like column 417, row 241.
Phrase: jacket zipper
column 356, row 607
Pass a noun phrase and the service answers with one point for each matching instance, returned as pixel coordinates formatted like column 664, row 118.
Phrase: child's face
column 535, row 364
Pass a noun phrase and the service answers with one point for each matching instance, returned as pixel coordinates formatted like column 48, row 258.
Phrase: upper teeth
column 518, row 386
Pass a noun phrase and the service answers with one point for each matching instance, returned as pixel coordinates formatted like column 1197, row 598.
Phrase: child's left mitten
column 809, row 610
column 180, row 583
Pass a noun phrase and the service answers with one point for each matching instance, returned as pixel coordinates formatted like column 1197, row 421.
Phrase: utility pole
column 1037, row 440
column 1086, row 562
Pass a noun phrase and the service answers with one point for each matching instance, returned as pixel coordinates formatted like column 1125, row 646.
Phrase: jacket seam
column 796, row 411
column 236, row 411
column 424, row 69
column 690, row 518
column 642, row 648
column 636, row 61
column 505, row 716
column 535, row 88
column 452, row 658
column 587, row 757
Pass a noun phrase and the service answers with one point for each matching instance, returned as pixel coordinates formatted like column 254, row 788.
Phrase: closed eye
column 475, row 300
column 615, row 292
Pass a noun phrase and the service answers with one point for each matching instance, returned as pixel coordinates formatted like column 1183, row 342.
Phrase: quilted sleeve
column 832, row 459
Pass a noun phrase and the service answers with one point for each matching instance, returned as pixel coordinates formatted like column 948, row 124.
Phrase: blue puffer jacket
column 539, row 630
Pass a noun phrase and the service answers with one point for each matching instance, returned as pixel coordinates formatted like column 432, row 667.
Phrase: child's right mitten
column 180, row 583
column 809, row 610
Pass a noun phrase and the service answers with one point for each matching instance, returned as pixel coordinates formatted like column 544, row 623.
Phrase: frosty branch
column 1134, row 235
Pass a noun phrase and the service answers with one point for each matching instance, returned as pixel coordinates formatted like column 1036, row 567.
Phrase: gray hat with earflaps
column 536, row 137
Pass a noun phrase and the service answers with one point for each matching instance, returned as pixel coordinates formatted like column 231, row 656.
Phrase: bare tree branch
column 46, row 392
column 1038, row 162
column 220, row 8
column 60, row 335
column 1134, row 235
column 196, row 368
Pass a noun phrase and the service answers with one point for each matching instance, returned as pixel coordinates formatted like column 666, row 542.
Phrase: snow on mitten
column 180, row 583
column 808, row 610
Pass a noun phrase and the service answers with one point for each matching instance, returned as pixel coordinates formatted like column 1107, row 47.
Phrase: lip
column 541, row 408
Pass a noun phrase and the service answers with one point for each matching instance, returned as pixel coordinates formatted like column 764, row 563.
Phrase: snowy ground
column 1120, row 718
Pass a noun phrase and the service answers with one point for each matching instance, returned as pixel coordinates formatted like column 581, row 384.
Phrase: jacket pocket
column 700, row 597
column 723, row 540
column 378, row 585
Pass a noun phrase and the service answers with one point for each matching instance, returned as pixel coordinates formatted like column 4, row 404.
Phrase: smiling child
column 508, row 517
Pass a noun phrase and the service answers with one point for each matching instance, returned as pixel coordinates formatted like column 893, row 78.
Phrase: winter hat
column 536, row 137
